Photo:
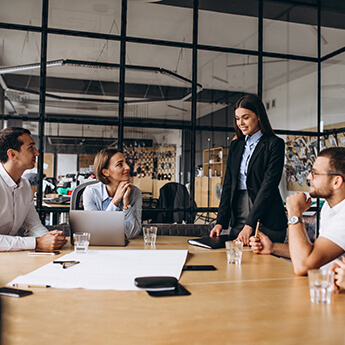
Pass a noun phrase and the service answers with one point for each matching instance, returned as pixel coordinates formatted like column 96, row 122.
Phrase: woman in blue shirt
column 114, row 192
column 254, row 169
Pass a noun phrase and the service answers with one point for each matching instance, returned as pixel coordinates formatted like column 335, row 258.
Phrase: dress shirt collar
column 254, row 138
column 8, row 179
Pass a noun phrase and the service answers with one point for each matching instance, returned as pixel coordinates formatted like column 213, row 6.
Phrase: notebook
column 211, row 242
column 106, row 228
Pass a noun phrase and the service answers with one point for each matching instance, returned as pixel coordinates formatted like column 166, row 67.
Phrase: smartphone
column 7, row 291
column 41, row 252
column 199, row 268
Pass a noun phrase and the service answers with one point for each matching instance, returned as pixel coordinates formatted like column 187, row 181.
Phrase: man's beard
column 321, row 194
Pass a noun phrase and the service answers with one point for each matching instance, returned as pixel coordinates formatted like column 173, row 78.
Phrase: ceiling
column 80, row 89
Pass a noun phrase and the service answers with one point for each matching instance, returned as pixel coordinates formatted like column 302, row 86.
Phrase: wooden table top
column 259, row 302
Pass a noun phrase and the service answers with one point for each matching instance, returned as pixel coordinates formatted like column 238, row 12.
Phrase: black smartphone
column 7, row 291
column 199, row 268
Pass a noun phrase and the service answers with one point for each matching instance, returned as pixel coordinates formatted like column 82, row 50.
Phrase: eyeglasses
column 313, row 174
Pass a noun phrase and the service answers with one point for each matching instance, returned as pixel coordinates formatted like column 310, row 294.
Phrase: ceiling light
column 19, row 68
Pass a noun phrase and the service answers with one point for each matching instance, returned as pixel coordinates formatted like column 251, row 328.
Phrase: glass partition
column 21, row 12
column 332, row 97
column 290, row 93
column 332, row 26
column 83, row 81
column 104, row 17
column 20, row 70
column 288, row 30
column 230, row 30
column 170, row 23
column 158, row 82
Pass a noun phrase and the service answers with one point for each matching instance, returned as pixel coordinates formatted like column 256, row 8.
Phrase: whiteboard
column 66, row 164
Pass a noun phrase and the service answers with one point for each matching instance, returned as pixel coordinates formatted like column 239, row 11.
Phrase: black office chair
column 174, row 195
column 77, row 195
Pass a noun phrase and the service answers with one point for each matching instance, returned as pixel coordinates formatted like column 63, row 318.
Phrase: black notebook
column 211, row 242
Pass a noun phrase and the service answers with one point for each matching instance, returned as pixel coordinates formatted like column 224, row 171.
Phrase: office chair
column 174, row 195
column 77, row 195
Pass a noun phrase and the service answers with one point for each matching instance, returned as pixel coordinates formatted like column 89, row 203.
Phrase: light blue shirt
column 96, row 198
column 251, row 142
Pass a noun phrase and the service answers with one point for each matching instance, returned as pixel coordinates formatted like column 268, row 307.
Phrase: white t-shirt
column 332, row 225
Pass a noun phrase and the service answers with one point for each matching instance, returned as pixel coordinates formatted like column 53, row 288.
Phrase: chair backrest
column 77, row 195
column 174, row 195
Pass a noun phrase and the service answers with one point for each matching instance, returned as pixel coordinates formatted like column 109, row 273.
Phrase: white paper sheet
column 107, row 269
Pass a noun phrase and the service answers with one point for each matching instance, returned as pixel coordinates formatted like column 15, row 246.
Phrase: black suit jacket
column 263, row 177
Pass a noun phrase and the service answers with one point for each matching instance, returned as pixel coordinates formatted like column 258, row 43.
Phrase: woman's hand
column 245, row 234
column 122, row 192
column 215, row 232
column 126, row 197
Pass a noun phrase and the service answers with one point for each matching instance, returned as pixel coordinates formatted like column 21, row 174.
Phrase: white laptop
column 106, row 228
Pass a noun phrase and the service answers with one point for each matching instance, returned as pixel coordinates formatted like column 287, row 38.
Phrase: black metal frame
column 191, row 126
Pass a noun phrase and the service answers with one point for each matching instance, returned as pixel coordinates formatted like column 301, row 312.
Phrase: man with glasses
column 327, row 180
column 17, row 154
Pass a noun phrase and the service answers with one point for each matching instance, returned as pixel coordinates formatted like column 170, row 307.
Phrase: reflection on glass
column 290, row 93
column 332, row 94
column 104, row 17
column 290, row 28
column 21, row 12
column 159, row 21
column 217, row 29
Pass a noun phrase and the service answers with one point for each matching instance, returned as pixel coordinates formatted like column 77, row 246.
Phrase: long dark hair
column 254, row 104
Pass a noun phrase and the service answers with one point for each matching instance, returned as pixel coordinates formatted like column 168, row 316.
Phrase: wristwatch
column 295, row 220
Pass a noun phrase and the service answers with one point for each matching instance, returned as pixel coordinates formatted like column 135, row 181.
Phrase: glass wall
column 87, row 107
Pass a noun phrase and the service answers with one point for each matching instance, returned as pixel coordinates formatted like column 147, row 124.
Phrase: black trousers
column 244, row 205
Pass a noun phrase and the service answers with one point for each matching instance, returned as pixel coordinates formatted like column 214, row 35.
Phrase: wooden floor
column 259, row 302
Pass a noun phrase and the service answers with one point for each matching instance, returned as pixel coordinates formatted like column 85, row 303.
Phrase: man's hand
column 215, row 232
column 297, row 203
column 51, row 241
column 244, row 235
column 338, row 267
column 261, row 244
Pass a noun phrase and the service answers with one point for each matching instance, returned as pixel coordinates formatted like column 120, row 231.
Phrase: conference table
column 259, row 302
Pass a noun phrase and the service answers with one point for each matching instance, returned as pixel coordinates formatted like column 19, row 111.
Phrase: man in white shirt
column 327, row 180
column 18, row 153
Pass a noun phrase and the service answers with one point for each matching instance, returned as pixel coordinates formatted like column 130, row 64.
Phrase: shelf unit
column 215, row 159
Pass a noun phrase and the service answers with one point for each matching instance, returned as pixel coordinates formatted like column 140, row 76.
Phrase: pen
column 69, row 264
column 25, row 286
column 257, row 229
column 65, row 262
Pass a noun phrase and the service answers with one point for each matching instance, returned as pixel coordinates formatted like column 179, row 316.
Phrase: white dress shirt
column 17, row 210
column 332, row 225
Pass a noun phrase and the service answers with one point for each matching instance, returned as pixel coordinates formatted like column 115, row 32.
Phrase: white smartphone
column 40, row 252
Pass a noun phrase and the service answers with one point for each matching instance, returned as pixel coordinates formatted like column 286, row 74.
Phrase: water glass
column 150, row 235
column 81, row 242
column 320, row 285
column 234, row 252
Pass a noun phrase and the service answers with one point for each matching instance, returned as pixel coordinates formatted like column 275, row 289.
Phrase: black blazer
column 263, row 177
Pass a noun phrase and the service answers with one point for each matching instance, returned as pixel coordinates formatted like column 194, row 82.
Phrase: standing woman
column 114, row 192
column 254, row 169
